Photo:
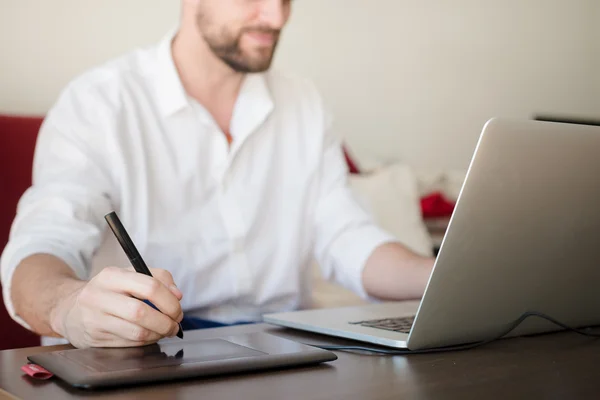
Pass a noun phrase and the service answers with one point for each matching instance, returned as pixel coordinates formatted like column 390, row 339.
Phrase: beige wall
column 407, row 80
column 44, row 43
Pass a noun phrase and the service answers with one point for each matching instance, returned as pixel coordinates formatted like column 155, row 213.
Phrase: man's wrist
column 67, row 291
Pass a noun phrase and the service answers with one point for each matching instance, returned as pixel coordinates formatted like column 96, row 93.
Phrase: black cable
column 465, row 346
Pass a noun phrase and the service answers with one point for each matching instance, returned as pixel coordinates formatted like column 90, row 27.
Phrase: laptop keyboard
column 402, row 324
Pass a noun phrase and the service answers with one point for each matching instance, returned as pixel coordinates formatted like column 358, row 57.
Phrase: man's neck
column 205, row 77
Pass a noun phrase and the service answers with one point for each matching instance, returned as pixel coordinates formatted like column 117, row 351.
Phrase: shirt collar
column 171, row 94
column 252, row 107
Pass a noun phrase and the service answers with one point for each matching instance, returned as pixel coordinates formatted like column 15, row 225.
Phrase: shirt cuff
column 11, row 258
column 352, row 250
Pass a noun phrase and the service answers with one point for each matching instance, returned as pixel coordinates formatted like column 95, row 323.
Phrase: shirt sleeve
column 61, row 213
column 346, row 234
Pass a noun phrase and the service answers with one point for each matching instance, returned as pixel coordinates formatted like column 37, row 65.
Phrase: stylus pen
column 131, row 251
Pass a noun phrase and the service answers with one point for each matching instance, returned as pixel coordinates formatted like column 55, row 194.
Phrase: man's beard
column 226, row 46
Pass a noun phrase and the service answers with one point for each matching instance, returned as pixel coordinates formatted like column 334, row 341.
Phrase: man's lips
column 262, row 38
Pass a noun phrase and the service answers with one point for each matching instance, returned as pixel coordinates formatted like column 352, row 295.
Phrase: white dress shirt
column 237, row 227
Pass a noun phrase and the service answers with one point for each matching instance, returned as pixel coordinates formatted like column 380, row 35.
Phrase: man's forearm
column 393, row 272
column 38, row 284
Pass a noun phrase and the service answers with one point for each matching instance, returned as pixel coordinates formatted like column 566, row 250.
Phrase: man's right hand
column 106, row 312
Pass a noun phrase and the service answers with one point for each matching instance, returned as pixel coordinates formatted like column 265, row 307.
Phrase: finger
column 104, row 330
column 142, row 287
column 116, row 341
column 135, row 311
column 126, row 330
column 165, row 277
column 175, row 290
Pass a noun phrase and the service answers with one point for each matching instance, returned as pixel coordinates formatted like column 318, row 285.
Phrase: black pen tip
column 180, row 332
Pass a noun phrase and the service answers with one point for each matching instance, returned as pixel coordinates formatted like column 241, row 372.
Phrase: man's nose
column 274, row 13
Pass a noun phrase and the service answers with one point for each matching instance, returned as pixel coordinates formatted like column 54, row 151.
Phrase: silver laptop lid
column 524, row 236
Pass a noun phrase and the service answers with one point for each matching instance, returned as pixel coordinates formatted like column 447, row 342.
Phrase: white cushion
column 391, row 195
column 447, row 182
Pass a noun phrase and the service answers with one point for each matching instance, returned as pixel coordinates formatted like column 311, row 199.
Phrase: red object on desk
column 17, row 143
column 37, row 372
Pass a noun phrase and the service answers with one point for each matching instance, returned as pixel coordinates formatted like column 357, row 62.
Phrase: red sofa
column 17, row 142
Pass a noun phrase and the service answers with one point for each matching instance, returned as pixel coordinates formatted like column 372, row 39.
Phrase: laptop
column 524, row 237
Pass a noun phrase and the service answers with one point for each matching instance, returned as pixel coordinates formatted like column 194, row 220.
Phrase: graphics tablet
column 172, row 359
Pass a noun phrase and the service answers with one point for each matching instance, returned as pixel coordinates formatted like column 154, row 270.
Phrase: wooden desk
column 553, row 366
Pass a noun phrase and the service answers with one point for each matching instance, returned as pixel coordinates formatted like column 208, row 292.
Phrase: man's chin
column 248, row 66
column 258, row 68
column 258, row 62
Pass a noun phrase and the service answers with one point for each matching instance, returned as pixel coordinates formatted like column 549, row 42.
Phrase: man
column 226, row 175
